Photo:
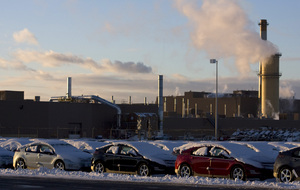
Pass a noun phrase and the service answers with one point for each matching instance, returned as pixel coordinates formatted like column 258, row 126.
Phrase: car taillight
column 18, row 150
column 96, row 152
column 281, row 156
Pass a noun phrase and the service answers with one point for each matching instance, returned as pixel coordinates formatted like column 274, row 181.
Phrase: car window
column 45, row 149
column 297, row 153
column 218, row 152
column 113, row 150
column 200, row 151
column 32, row 148
column 126, row 150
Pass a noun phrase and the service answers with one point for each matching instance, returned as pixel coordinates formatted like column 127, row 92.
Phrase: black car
column 287, row 165
column 125, row 158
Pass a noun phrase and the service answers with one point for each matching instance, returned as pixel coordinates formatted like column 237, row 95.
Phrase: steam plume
column 223, row 30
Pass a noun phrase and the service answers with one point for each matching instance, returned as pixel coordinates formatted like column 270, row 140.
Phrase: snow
column 160, row 150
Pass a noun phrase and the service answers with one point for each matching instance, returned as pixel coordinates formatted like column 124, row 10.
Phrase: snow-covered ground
column 267, row 150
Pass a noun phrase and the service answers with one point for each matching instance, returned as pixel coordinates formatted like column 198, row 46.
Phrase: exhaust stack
column 160, row 104
column 69, row 87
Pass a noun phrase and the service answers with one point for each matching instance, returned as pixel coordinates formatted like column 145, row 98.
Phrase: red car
column 213, row 161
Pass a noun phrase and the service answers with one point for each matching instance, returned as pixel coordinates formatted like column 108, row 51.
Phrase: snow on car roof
column 253, row 153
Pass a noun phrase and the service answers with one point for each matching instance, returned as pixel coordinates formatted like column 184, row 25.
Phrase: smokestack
column 263, row 35
column 69, row 87
column 145, row 101
column 263, row 29
column 268, row 89
column 160, row 104
column 270, row 86
column 129, row 100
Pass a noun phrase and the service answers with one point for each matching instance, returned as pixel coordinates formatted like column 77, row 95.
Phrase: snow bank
column 43, row 172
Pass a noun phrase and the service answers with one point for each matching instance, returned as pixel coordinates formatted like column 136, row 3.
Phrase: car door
column 296, row 161
column 30, row 156
column 220, row 162
column 128, row 158
column 45, row 156
column 112, row 157
column 200, row 161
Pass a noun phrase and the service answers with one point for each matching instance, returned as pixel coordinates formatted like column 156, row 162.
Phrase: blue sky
column 118, row 48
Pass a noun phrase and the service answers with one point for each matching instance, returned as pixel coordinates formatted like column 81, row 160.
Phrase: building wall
column 227, row 106
column 55, row 120
column 11, row 95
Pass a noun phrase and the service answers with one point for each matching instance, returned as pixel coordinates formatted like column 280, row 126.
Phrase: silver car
column 51, row 154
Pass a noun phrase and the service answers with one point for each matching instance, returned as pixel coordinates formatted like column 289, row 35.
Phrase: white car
column 51, row 154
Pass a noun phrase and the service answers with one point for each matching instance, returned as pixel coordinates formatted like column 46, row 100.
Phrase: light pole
column 216, row 104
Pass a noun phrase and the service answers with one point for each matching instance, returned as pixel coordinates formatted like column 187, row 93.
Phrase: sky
column 118, row 48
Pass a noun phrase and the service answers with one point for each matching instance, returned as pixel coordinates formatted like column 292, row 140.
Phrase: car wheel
column 143, row 170
column 59, row 165
column 286, row 175
column 20, row 164
column 185, row 170
column 237, row 173
column 99, row 167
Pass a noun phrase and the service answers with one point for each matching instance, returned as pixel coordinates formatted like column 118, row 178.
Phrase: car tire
column 20, row 164
column 59, row 165
column 99, row 167
column 286, row 175
column 143, row 170
column 237, row 173
column 185, row 170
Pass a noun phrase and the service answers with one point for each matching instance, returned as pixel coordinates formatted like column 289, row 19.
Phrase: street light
column 216, row 110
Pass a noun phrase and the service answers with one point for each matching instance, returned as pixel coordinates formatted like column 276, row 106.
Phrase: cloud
column 127, row 67
column 25, row 36
column 15, row 65
column 54, row 59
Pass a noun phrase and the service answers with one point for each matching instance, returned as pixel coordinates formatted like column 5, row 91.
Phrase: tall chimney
column 263, row 34
column 69, row 87
column 268, row 92
column 160, row 104
column 129, row 100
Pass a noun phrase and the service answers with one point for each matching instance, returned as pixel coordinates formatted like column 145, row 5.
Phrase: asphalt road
column 45, row 183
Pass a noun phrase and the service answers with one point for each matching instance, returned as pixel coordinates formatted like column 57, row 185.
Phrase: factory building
column 202, row 104
column 72, row 119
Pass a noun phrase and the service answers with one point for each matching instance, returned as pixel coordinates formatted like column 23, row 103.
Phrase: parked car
column 51, row 154
column 214, row 161
column 287, row 165
column 6, row 158
column 130, row 158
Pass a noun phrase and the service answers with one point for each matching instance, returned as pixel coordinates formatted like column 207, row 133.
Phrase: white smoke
column 177, row 91
column 223, row 30
column 286, row 91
